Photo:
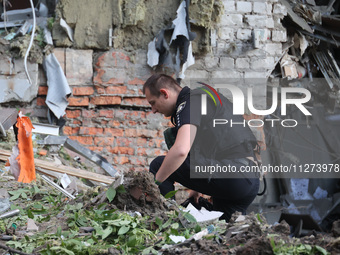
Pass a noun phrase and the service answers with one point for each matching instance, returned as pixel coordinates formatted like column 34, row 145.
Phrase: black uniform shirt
column 188, row 109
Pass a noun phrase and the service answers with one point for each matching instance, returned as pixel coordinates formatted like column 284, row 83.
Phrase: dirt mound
column 142, row 194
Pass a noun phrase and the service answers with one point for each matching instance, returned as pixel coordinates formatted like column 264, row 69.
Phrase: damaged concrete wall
column 14, row 85
column 134, row 22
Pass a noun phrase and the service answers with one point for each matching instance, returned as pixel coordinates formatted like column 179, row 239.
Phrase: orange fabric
column 26, row 155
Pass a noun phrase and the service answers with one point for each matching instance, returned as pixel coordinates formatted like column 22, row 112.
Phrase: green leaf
column 175, row 225
column 58, row 231
column 259, row 218
column 110, row 194
column 321, row 250
column 23, row 195
column 68, row 252
column 158, row 221
column 36, row 189
column 123, row 230
column 15, row 244
column 197, row 228
column 121, row 189
column 170, row 194
column 107, row 232
column 166, row 224
column 272, row 242
column 15, row 194
column 189, row 217
column 132, row 241
column 30, row 214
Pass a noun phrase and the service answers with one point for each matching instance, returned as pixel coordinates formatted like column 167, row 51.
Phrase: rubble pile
column 311, row 53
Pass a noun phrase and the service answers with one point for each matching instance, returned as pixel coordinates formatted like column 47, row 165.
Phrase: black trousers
column 229, row 195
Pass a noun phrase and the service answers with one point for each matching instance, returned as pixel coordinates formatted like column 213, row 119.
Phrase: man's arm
column 178, row 152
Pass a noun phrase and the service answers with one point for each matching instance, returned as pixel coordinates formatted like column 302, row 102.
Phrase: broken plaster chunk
column 31, row 226
column 240, row 218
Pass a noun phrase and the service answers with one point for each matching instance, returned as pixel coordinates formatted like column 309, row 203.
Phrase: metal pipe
column 31, row 43
column 10, row 214
column 58, row 187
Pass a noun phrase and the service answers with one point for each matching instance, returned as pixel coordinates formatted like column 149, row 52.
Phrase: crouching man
column 199, row 143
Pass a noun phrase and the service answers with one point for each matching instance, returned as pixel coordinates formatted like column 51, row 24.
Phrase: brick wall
column 107, row 111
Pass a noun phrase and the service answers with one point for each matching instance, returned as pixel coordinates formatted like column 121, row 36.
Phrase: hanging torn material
column 159, row 50
column 67, row 29
column 58, row 87
column 25, row 145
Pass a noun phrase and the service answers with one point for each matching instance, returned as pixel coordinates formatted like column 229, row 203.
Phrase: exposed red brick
column 124, row 142
column 97, row 79
column 78, row 101
column 96, row 149
column 139, row 161
column 149, row 152
column 135, row 101
column 156, row 143
column 83, row 91
column 136, row 81
column 42, row 90
column 130, row 132
column 71, row 114
column 147, row 133
column 76, row 122
column 106, row 100
column 90, row 131
column 114, row 123
column 117, row 56
column 106, row 113
column 70, row 130
column 100, row 60
column 103, row 141
column 141, row 151
column 142, row 141
column 86, row 140
column 41, row 101
column 121, row 160
column 117, row 81
column 89, row 113
column 100, row 90
column 126, row 150
column 42, row 152
column 116, row 90
column 114, row 131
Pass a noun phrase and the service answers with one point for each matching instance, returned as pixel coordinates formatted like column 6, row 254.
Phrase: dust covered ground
column 135, row 218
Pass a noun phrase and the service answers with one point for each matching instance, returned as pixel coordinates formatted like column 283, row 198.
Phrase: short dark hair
column 156, row 82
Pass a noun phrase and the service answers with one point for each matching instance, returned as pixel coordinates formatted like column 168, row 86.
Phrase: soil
column 142, row 194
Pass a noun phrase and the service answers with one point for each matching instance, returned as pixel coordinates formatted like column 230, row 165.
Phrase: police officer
column 199, row 142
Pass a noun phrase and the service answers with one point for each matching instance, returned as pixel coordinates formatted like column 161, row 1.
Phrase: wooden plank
column 64, row 169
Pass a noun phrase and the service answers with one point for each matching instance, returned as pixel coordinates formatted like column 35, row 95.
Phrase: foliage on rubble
column 113, row 229
column 282, row 248
column 80, row 226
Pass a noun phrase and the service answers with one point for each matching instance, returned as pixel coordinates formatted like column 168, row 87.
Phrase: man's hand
column 196, row 195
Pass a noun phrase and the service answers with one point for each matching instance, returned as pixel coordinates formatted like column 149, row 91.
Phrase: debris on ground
column 135, row 218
